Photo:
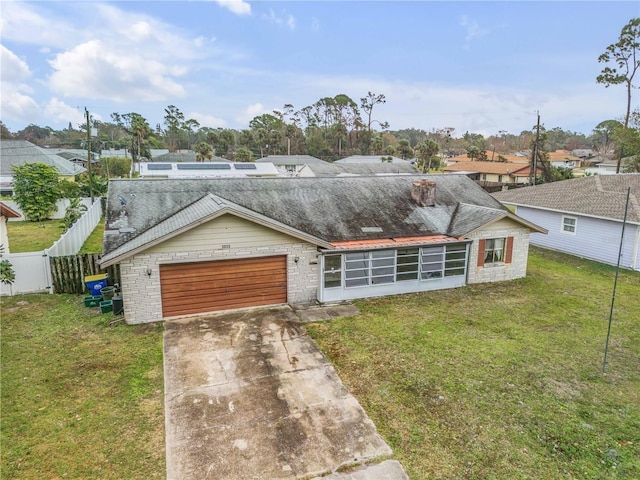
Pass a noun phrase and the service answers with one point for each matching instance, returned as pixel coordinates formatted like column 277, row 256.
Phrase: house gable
column 223, row 233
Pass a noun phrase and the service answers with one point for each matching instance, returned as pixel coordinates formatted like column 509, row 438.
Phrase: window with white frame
column 332, row 275
column 455, row 260
column 431, row 262
column 379, row 267
column 407, row 264
column 569, row 225
column 494, row 250
column 369, row 268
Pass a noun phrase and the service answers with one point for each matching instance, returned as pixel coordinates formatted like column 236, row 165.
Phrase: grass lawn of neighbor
column 27, row 236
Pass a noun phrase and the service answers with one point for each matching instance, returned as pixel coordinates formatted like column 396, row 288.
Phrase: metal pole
column 615, row 282
column 535, row 151
column 89, row 154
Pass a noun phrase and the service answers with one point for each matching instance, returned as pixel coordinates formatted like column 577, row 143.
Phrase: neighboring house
column 186, row 156
column 6, row 212
column 123, row 152
column 196, row 246
column 584, row 216
column 491, row 156
column 76, row 156
column 495, row 172
column 20, row 152
column 291, row 164
column 372, row 159
column 326, row 169
column 207, row 170
column 564, row 159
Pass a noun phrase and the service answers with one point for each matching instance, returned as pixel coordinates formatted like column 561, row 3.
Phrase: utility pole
column 534, row 160
column 86, row 112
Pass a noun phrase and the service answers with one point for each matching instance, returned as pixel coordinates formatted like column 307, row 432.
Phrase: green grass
column 93, row 244
column 501, row 381
column 80, row 399
column 33, row 236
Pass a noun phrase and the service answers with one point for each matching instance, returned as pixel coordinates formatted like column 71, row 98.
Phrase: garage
column 189, row 288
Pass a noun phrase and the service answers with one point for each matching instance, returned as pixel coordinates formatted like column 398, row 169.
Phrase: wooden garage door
column 221, row 285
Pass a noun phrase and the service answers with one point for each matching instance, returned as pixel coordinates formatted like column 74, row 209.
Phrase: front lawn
column 27, row 236
column 80, row 399
column 501, row 381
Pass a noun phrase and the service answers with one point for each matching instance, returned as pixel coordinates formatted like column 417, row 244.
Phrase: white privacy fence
column 33, row 269
column 33, row 273
column 71, row 242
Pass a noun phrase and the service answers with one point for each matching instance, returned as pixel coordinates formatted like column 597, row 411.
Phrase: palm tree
column 425, row 151
column 203, row 151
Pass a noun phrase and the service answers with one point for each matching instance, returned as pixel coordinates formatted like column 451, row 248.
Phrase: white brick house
column 195, row 246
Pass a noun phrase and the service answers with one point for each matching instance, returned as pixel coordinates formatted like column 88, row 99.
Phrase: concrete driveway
column 248, row 395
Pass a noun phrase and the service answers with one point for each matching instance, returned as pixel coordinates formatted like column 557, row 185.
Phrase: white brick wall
column 141, row 292
column 499, row 272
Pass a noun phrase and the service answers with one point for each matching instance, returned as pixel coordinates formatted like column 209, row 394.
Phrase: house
column 201, row 245
column 492, row 157
column 564, row 159
column 335, row 169
column 291, row 164
column 207, row 170
column 584, row 216
column 185, row 156
column 371, row 159
column 6, row 212
column 20, row 152
column 126, row 153
column 79, row 157
column 495, row 172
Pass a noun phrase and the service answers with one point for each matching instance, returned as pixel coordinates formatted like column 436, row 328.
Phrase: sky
column 479, row 66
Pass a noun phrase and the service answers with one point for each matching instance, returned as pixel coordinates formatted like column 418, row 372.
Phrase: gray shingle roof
column 599, row 196
column 140, row 211
column 370, row 159
column 333, row 169
column 291, row 160
column 20, row 152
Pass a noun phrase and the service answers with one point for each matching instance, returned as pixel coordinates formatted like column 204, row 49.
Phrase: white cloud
column 17, row 106
column 14, row 69
column 473, row 29
column 32, row 25
column 14, row 103
column 250, row 112
column 286, row 19
column 239, row 7
column 64, row 113
column 96, row 70
column 206, row 120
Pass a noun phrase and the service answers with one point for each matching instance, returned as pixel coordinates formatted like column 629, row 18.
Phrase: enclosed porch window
column 379, row 267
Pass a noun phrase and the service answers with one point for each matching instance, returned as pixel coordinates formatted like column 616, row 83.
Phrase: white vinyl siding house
column 593, row 238
column 584, row 216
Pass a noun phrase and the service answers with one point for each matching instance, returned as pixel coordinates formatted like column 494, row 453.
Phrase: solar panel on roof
column 204, row 166
column 159, row 166
column 245, row 166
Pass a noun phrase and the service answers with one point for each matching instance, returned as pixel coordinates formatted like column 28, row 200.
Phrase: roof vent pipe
column 424, row 193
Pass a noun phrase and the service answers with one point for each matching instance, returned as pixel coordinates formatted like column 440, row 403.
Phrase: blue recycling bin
column 95, row 283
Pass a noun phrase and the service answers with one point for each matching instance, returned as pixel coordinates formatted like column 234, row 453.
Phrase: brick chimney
column 424, row 193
